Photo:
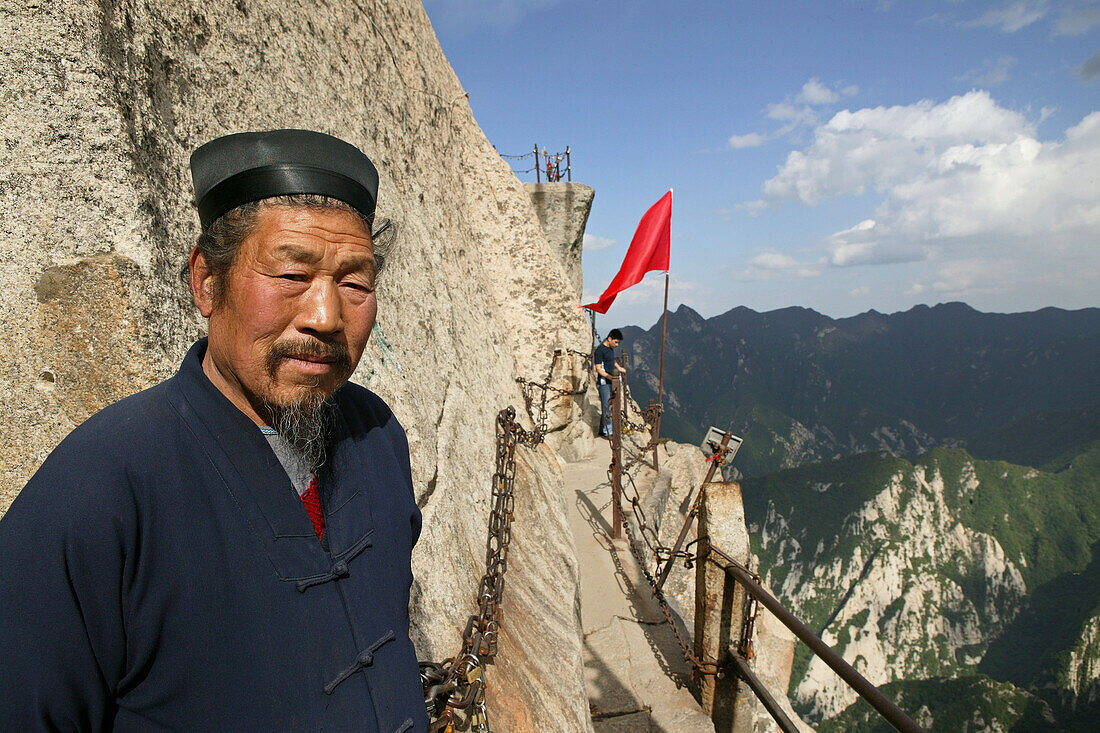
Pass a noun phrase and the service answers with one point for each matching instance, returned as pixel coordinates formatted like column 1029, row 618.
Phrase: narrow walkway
column 635, row 673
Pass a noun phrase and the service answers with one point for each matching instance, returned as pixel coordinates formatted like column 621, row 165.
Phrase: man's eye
column 293, row 277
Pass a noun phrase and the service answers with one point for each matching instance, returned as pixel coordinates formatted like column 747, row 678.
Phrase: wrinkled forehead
column 310, row 235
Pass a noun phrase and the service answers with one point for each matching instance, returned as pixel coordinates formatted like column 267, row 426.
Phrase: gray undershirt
column 296, row 468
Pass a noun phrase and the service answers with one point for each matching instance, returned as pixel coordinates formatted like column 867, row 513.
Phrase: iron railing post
column 692, row 512
column 616, row 457
column 741, row 669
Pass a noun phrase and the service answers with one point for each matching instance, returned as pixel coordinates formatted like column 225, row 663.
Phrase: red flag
column 648, row 251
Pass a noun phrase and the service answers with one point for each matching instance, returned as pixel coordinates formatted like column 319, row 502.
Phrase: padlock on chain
column 479, row 721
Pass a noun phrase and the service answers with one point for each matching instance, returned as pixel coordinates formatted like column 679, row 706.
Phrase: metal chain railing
column 532, row 154
column 664, row 555
column 454, row 690
column 647, row 415
column 550, row 167
column 750, row 581
column 528, row 387
column 654, row 544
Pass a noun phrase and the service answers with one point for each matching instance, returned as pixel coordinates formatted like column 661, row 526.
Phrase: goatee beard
column 307, row 425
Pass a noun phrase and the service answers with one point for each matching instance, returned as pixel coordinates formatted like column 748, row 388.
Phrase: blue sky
column 841, row 156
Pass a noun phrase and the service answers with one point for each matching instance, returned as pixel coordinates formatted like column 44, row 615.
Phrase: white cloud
column 1079, row 20
column 791, row 113
column 991, row 72
column 592, row 243
column 966, row 278
column 1012, row 16
column 860, row 291
column 796, row 111
column 752, row 208
column 768, row 265
column 880, row 147
column 864, row 244
column 814, row 92
column 1020, row 188
column 1091, row 68
column 964, row 185
column 751, row 140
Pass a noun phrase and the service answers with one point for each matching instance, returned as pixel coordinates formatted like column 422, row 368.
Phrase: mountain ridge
column 819, row 387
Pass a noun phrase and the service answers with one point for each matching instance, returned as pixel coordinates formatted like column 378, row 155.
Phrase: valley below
column 923, row 489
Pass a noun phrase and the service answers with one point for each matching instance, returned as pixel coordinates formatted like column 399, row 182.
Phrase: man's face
column 614, row 343
column 297, row 310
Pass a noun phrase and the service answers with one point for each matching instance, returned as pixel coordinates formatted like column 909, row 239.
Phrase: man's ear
column 202, row 283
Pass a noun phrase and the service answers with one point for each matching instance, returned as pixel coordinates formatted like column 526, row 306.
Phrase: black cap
column 249, row 166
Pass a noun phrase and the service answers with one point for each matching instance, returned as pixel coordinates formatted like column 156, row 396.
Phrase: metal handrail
column 886, row 707
column 741, row 669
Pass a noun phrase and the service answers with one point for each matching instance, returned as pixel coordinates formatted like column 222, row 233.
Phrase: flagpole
column 661, row 378
column 592, row 346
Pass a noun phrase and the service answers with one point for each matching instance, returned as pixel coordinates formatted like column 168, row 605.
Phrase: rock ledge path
column 634, row 672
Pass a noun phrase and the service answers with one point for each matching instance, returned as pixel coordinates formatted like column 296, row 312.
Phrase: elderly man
column 230, row 550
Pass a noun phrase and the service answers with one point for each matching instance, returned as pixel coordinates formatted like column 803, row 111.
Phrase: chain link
column 654, row 544
column 748, row 625
column 661, row 552
column 528, row 387
column 454, row 690
column 664, row 555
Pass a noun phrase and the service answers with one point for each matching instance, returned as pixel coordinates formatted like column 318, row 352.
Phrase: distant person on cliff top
column 230, row 549
column 606, row 370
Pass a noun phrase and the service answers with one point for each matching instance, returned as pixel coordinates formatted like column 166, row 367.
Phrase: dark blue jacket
column 159, row 572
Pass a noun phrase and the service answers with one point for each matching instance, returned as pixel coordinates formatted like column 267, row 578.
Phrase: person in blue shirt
column 606, row 371
column 231, row 549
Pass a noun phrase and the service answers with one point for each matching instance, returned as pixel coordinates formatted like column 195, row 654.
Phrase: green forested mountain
column 924, row 491
column 800, row 386
column 971, row 703
column 947, row 567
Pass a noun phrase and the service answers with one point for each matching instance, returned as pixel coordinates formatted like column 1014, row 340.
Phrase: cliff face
column 904, row 591
column 562, row 208
column 103, row 103
column 947, row 567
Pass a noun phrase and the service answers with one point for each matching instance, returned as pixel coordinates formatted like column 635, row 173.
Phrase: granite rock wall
column 563, row 208
column 101, row 105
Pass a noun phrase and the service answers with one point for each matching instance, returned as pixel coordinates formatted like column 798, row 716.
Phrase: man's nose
column 320, row 308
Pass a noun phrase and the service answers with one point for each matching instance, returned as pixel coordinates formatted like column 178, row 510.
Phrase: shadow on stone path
column 634, row 670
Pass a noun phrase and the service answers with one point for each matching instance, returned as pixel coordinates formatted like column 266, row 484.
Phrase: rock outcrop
column 563, row 208
column 102, row 104
column 572, row 420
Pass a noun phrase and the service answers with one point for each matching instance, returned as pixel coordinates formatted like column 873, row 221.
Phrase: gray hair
column 221, row 241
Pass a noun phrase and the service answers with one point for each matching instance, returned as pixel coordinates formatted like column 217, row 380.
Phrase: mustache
column 336, row 353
